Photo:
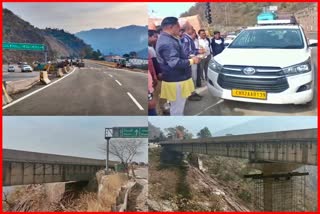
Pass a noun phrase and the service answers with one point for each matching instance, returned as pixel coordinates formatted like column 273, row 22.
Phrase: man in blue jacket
column 217, row 43
column 177, row 83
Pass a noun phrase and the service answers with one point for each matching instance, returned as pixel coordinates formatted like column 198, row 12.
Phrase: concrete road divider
column 14, row 87
column 44, row 77
column 65, row 69
column 59, row 72
column 6, row 99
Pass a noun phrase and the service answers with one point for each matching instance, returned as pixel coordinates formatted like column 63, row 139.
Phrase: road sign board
column 23, row 46
column 130, row 132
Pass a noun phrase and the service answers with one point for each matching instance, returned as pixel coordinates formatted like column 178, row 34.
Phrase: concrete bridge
column 21, row 167
column 276, row 154
column 297, row 146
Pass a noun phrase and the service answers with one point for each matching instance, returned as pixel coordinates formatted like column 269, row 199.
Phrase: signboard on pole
column 130, row 132
column 23, row 46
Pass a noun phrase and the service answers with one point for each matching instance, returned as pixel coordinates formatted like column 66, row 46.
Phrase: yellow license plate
column 261, row 95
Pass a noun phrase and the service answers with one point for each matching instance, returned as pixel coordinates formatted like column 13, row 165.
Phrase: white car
column 265, row 64
column 229, row 39
column 11, row 68
column 26, row 68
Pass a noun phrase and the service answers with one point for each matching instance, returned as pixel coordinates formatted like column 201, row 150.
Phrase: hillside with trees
column 59, row 43
column 238, row 14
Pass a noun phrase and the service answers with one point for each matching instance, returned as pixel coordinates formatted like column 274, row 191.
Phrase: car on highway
column 269, row 63
column 129, row 64
column 11, row 68
column 229, row 39
column 26, row 68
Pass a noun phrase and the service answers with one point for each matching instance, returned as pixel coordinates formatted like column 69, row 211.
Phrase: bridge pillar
column 276, row 190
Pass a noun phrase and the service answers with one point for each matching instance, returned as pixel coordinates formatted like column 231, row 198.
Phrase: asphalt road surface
column 141, row 172
column 17, row 75
column 93, row 90
column 210, row 105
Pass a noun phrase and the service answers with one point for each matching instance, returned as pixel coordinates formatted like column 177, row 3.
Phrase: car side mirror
column 313, row 43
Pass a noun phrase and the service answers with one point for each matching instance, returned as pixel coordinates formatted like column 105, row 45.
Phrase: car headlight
column 213, row 65
column 298, row 69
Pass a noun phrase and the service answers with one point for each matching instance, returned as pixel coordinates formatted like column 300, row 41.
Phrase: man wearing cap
column 217, row 43
column 177, row 83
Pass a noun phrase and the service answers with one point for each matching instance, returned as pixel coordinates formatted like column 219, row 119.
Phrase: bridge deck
column 298, row 146
column 21, row 167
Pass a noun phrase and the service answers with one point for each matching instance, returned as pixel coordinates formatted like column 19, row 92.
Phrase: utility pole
column 208, row 13
column 226, row 14
column 45, row 54
column 108, row 135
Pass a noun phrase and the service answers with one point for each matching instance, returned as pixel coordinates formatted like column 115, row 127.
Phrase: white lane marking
column 135, row 101
column 217, row 103
column 36, row 91
column 118, row 82
column 110, row 76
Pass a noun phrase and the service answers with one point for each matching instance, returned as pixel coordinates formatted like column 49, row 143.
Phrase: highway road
column 93, row 90
column 17, row 75
column 210, row 105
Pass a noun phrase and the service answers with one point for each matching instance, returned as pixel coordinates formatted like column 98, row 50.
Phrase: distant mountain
column 269, row 124
column 153, row 131
column 59, row 42
column 143, row 53
column 117, row 41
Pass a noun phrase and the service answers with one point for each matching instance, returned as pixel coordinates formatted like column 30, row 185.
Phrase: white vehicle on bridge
column 11, row 68
column 229, row 39
column 269, row 63
column 26, row 68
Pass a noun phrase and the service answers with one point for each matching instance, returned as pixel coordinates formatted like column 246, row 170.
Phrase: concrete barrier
column 18, row 86
column 6, row 99
column 65, row 70
column 125, row 196
column 44, row 77
column 59, row 72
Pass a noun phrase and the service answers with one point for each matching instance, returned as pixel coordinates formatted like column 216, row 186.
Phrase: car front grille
column 262, row 71
column 270, row 85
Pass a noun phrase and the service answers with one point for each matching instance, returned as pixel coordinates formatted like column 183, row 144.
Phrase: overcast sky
column 75, row 17
column 161, row 10
column 222, row 125
column 72, row 135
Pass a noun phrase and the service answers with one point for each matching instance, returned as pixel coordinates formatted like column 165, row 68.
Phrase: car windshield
column 269, row 38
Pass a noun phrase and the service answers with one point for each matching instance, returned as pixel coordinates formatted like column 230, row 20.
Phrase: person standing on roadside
column 189, row 48
column 177, row 83
column 217, row 43
column 204, row 42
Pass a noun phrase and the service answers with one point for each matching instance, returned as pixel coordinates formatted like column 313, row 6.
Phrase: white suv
column 265, row 64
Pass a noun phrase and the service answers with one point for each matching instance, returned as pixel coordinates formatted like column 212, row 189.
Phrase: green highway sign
column 23, row 46
column 130, row 132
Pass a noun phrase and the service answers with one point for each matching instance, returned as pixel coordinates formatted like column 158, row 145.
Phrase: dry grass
column 53, row 197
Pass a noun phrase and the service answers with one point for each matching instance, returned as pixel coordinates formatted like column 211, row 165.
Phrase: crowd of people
column 178, row 63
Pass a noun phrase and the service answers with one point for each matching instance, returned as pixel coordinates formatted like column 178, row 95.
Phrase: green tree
column 127, row 56
column 172, row 132
column 133, row 54
column 204, row 133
